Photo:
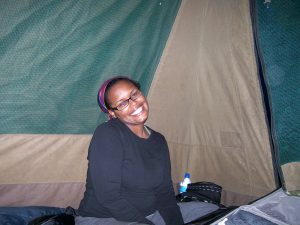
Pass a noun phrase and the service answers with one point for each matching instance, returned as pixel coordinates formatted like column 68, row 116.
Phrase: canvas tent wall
column 277, row 29
column 205, row 96
column 209, row 61
column 54, row 56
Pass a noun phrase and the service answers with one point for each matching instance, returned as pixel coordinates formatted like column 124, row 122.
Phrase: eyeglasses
column 134, row 96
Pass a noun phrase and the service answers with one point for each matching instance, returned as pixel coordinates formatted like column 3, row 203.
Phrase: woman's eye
column 122, row 104
column 135, row 95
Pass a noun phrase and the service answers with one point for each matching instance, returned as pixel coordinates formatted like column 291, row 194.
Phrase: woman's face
column 136, row 113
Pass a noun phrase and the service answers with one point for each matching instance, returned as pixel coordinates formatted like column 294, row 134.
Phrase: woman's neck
column 141, row 131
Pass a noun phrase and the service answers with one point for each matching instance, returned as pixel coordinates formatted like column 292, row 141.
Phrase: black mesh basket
column 210, row 190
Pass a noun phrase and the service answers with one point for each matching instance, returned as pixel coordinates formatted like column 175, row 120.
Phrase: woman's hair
column 105, row 88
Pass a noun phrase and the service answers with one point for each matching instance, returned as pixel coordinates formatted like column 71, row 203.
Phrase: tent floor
column 214, row 216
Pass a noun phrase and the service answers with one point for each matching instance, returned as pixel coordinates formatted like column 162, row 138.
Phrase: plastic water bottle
column 184, row 183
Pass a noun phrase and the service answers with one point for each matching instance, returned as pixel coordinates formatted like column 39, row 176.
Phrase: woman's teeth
column 137, row 111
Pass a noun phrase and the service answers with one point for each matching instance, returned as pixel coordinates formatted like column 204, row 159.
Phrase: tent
column 221, row 79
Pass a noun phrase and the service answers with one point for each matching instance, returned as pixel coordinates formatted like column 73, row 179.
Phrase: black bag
column 201, row 191
column 60, row 219
column 66, row 218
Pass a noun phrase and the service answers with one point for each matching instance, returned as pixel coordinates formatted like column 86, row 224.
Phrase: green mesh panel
column 54, row 55
column 279, row 41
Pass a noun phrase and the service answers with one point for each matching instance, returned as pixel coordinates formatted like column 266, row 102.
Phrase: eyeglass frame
column 140, row 94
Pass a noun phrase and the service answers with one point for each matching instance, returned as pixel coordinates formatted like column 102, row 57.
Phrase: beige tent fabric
column 62, row 194
column 291, row 173
column 205, row 98
column 42, row 169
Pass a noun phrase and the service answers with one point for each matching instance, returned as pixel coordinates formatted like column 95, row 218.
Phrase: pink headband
column 101, row 93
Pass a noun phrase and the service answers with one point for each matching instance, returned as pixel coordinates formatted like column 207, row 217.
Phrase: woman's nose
column 131, row 101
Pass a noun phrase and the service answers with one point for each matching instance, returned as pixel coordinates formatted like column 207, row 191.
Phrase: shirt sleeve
column 105, row 168
column 166, row 199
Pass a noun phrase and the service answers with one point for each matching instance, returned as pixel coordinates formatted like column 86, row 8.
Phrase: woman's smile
column 137, row 111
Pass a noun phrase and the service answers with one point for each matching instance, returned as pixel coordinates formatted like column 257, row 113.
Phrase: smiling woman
column 129, row 171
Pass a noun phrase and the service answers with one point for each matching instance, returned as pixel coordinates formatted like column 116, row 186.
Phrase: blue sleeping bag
column 23, row 215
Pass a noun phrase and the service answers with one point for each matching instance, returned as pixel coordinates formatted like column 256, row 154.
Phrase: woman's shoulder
column 156, row 134
column 108, row 127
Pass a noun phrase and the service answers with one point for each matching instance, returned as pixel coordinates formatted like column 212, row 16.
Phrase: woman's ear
column 112, row 114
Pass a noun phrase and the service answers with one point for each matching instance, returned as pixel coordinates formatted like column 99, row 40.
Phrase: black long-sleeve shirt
column 128, row 177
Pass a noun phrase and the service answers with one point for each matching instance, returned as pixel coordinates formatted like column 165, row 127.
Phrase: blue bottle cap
column 187, row 175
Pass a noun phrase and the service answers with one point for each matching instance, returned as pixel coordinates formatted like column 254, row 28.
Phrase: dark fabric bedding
column 23, row 215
